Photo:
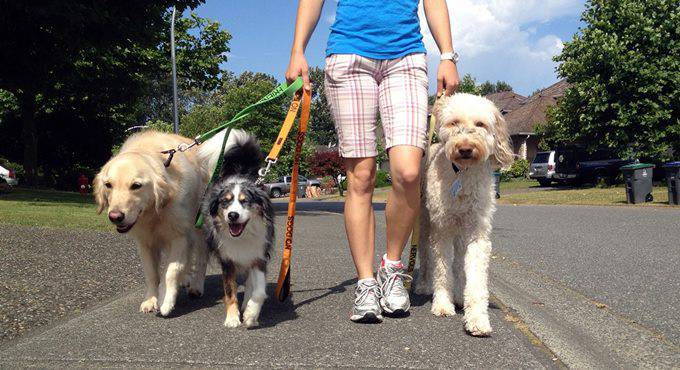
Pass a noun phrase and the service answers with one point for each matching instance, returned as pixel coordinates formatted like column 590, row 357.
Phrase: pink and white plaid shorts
column 357, row 87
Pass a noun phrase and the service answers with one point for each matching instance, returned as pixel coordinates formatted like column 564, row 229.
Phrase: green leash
column 282, row 89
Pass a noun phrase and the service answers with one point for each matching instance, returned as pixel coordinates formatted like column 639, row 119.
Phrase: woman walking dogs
column 375, row 61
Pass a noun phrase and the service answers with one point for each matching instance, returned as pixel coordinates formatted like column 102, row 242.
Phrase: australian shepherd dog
column 239, row 229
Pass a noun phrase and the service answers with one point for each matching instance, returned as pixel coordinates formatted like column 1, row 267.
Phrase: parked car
column 282, row 186
column 543, row 168
column 4, row 186
column 576, row 165
column 9, row 176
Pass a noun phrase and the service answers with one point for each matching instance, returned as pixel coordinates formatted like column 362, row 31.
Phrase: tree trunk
column 29, row 137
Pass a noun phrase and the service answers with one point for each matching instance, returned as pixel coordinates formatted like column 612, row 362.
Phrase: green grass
column 582, row 196
column 519, row 184
column 47, row 208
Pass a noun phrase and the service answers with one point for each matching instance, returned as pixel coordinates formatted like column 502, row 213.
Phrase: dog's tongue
column 236, row 229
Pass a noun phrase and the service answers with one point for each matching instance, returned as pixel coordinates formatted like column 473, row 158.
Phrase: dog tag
column 455, row 188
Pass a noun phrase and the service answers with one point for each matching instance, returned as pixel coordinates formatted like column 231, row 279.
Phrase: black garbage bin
column 638, row 179
column 497, row 182
column 673, row 180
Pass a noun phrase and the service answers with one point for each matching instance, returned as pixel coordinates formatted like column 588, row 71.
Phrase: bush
column 16, row 167
column 382, row 179
column 519, row 169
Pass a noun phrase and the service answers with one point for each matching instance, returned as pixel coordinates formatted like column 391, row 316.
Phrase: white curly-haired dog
column 458, row 205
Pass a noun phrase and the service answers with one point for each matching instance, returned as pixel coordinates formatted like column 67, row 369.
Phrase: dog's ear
column 502, row 153
column 98, row 191
column 163, row 191
column 213, row 206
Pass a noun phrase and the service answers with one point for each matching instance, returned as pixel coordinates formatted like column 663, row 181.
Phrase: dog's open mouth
column 125, row 228
column 236, row 229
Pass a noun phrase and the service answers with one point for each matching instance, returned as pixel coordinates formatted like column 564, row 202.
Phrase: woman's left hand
column 447, row 78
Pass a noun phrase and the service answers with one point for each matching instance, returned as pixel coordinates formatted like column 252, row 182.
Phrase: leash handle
column 273, row 155
column 283, row 282
column 282, row 89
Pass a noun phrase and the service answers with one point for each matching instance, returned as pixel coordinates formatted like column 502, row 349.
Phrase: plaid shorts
column 357, row 87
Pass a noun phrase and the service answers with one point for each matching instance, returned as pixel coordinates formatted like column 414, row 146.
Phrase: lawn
column 581, row 196
column 48, row 208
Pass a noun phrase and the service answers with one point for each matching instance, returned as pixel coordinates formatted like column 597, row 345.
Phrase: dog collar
column 455, row 168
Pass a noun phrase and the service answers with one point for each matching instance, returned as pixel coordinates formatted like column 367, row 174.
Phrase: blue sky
column 510, row 40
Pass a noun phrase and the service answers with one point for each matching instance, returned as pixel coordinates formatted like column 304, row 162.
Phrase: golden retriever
column 157, row 206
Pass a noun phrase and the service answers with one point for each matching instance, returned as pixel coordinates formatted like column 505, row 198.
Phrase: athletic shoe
column 394, row 297
column 366, row 308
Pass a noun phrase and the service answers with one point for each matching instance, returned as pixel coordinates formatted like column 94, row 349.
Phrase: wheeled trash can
column 497, row 182
column 673, row 180
column 638, row 180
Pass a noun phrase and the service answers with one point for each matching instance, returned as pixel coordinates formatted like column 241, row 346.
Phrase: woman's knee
column 406, row 177
column 361, row 181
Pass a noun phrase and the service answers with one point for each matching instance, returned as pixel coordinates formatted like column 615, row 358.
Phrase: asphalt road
column 582, row 286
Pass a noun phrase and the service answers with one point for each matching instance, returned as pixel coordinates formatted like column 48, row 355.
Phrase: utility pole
column 175, row 123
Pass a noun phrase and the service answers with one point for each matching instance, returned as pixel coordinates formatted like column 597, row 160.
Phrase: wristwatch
column 453, row 56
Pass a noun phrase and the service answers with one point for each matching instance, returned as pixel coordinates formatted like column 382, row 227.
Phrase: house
column 524, row 114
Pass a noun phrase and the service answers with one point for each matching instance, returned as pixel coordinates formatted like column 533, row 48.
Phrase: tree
column 201, row 47
column 322, row 128
column 328, row 163
column 489, row 87
column 468, row 85
column 92, row 65
column 624, row 70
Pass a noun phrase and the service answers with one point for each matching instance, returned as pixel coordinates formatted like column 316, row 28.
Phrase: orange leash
column 283, row 283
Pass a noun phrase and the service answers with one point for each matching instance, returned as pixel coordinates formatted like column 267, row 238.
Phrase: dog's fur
column 158, row 206
column 454, row 241
column 239, row 229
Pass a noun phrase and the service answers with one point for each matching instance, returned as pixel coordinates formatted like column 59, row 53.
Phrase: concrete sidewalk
column 310, row 330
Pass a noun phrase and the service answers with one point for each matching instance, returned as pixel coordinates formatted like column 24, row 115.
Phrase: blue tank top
column 378, row 29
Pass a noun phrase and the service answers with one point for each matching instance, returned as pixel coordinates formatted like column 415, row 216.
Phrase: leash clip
column 171, row 154
column 265, row 170
column 183, row 147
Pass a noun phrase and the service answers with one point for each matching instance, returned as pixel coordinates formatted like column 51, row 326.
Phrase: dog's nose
column 465, row 153
column 233, row 216
column 116, row 216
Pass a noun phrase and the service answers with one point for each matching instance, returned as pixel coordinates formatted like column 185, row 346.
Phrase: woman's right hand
column 298, row 67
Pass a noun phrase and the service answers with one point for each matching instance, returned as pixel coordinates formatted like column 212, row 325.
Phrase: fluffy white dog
column 458, row 206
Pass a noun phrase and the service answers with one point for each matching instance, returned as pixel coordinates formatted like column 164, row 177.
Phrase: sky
column 509, row 40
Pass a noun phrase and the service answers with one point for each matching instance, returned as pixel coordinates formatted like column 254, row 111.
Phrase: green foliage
column 468, row 85
column 624, row 68
column 321, row 127
column 16, row 167
column 159, row 125
column 95, row 68
column 382, row 179
column 518, row 169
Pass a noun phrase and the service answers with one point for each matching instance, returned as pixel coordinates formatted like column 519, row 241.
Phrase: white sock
column 368, row 281
column 389, row 262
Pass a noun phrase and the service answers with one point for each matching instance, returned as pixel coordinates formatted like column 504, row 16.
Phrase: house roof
column 506, row 101
column 532, row 112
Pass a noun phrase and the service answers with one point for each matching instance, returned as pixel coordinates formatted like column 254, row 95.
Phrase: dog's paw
column 232, row 321
column 166, row 308
column 443, row 309
column 478, row 325
column 150, row 305
column 250, row 322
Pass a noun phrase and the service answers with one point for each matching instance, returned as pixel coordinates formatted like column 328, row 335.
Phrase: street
column 572, row 286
